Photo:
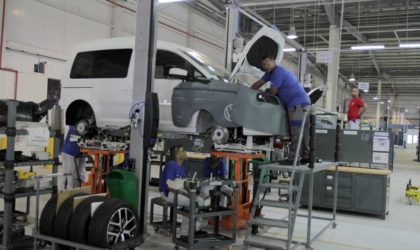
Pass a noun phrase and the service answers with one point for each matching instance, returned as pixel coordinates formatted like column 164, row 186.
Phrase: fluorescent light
column 410, row 45
column 389, row 100
column 211, row 68
column 170, row 1
column 382, row 103
column 365, row 90
column 375, row 98
column 292, row 33
column 352, row 78
column 289, row 50
column 406, row 111
column 367, row 47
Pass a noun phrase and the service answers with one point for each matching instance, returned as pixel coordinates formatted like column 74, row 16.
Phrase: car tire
column 106, row 221
column 64, row 216
column 47, row 219
column 79, row 225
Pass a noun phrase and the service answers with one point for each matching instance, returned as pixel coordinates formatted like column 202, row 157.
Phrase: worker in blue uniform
column 176, row 169
column 214, row 167
column 73, row 165
column 287, row 87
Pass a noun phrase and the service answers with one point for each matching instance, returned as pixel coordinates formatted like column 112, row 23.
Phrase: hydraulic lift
column 241, row 177
column 101, row 167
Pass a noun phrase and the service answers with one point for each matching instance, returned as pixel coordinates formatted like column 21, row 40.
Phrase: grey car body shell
column 260, row 112
column 227, row 105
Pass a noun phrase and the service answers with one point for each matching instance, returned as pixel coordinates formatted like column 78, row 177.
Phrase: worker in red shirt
column 356, row 109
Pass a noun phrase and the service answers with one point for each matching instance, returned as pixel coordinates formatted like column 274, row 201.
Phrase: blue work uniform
column 71, row 147
column 72, row 164
column 171, row 171
column 291, row 92
column 219, row 171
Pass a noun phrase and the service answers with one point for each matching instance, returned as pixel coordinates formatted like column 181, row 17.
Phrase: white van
column 99, row 77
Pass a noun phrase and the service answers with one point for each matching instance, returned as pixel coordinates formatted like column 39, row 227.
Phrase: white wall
column 47, row 30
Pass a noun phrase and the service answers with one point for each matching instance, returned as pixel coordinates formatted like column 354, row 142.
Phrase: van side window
column 166, row 60
column 101, row 64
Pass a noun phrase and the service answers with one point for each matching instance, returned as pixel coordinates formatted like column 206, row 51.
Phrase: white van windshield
column 101, row 64
column 211, row 66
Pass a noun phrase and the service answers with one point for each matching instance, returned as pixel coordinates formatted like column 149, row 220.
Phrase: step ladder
column 294, row 190
column 291, row 206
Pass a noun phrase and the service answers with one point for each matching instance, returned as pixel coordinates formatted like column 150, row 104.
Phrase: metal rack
column 192, row 213
column 55, row 242
column 9, row 195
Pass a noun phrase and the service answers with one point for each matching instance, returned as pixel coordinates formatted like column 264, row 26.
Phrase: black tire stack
column 79, row 226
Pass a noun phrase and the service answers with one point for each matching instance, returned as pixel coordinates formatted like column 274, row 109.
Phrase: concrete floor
column 400, row 230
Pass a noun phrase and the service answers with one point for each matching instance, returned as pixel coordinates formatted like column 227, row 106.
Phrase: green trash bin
column 265, row 173
column 122, row 184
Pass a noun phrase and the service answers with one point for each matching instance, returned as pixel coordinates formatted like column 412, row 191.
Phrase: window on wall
column 101, row 64
column 409, row 139
column 415, row 139
column 165, row 60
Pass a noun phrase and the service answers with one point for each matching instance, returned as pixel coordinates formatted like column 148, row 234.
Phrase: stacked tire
column 113, row 222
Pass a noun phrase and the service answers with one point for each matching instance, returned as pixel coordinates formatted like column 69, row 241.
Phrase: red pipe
column 1, row 50
column 170, row 26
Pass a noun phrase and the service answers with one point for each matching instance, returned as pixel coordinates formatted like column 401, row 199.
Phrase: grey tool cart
column 215, row 211
column 13, row 235
column 361, row 190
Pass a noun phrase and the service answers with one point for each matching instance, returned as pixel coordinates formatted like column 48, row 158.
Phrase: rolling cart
column 214, row 239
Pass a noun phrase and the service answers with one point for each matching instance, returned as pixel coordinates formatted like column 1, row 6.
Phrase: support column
column 144, row 61
column 333, row 66
column 232, row 31
column 302, row 65
column 3, row 44
column 401, row 117
column 378, row 105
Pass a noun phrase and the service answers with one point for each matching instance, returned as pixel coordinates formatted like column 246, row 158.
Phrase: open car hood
column 267, row 41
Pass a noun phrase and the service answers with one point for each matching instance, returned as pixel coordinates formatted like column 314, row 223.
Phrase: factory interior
column 209, row 124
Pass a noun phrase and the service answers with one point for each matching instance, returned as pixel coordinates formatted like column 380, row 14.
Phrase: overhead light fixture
column 375, row 98
column 389, row 101
column 289, row 50
column 292, row 33
column 352, row 78
column 410, row 45
column 368, row 47
column 382, row 103
column 170, row 1
column 406, row 111
column 365, row 90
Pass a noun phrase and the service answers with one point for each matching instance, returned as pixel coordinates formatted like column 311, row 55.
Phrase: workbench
column 361, row 190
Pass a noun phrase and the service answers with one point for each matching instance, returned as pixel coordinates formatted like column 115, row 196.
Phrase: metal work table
column 192, row 212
